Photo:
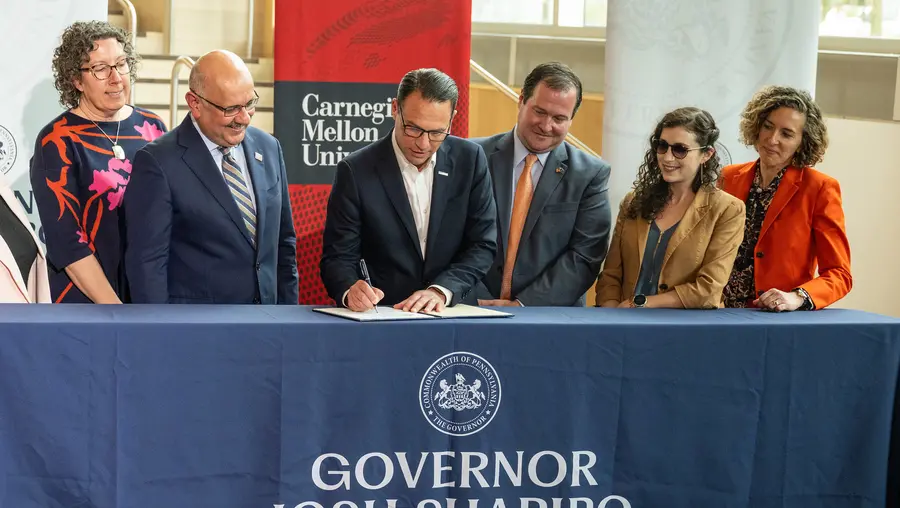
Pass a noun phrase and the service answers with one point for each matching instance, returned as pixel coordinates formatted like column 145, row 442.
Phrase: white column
column 713, row 54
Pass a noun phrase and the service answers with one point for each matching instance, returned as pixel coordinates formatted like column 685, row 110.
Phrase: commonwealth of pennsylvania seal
column 460, row 393
column 7, row 150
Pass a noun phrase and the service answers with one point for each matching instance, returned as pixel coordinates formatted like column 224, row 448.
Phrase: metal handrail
column 251, row 11
column 170, row 27
column 509, row 92
column 251, row 8
column 131, row 17
column 173, row 105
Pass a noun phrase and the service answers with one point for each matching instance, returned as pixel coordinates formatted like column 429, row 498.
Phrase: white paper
column 383, row 314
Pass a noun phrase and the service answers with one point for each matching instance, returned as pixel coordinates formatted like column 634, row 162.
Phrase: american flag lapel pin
column 258, row 156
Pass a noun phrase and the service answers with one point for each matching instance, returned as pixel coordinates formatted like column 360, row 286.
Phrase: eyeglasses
column 230, row 111
column 102, row 71
column 679, row 150
column 416, row 132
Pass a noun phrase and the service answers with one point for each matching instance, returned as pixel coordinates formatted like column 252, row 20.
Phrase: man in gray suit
column 554, row 223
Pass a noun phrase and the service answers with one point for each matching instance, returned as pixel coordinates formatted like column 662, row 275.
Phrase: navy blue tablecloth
column 255, row 407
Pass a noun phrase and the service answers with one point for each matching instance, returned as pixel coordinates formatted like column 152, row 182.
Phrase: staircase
column 153, row 88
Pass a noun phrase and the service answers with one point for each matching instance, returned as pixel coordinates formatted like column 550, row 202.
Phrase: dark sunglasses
column 679, row 150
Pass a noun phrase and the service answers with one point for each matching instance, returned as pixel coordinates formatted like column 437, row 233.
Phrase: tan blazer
column 698, row 259
column 12, row 288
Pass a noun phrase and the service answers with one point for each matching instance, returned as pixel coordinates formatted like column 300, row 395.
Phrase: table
column 259, row 407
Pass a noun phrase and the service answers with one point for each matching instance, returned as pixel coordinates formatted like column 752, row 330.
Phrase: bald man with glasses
column 208, row 216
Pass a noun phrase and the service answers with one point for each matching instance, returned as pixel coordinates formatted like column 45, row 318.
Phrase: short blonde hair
column 815, row 135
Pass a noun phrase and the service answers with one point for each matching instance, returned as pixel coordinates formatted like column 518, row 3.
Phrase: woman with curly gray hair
column 676, row 235
column 795, row 221
column 82, row 162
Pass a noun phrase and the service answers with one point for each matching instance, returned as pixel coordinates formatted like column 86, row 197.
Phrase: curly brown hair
column 814, row 141
column 76, row 43
column 651, row 191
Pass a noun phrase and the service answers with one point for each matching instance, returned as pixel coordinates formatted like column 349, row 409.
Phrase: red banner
column 337, row 67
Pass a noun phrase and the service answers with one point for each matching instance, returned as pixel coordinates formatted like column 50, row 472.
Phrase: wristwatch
column 639, row 300
column 807, row 301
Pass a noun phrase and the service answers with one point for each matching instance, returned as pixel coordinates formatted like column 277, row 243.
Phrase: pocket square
column 442, row 173
column 258, row 156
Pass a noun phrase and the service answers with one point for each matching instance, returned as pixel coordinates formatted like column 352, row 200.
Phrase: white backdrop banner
column 28, row 99
column 712, row 54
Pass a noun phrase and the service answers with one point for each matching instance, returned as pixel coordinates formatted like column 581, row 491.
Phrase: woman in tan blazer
column 676, row 235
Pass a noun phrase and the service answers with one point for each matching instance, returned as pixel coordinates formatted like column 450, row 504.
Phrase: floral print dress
column 79, row 185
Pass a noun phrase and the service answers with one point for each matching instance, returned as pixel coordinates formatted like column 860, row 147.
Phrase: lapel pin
column 560, row 170
column 258, row 156
column 442, row 173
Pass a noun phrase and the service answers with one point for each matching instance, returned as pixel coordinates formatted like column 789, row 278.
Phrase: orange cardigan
column 803, row 229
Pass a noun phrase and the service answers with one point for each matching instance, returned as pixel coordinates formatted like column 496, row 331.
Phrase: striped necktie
column 239, row 190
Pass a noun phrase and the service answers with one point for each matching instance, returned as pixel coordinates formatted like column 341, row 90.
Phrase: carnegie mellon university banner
column 337, row 67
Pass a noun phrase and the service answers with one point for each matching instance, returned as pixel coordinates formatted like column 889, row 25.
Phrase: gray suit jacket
column 566, row 232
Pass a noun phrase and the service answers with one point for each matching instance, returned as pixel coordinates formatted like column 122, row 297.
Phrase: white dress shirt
column 237, row 152
column 418, row 185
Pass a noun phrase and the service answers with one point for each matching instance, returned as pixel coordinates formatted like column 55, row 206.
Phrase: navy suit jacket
column 186, row 240
column 369, row 217
column 566, row 233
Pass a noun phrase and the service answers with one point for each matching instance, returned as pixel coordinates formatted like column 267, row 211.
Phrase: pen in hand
column 365, row 274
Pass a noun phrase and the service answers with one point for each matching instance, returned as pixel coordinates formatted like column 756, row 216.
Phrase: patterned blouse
column 741, row 288
column 78, row 186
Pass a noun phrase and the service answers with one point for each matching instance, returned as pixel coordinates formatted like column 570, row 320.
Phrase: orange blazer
column 698, row 258
column 803, row 229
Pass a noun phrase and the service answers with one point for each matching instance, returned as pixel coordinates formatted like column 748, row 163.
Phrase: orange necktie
column 524, row 191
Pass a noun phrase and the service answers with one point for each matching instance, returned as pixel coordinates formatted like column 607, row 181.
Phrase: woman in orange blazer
column 676, row 234
column 795, row 222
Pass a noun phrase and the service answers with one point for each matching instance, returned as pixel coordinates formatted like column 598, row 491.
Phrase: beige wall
column 264, row 41
column 151, row 14
column 202, row 25
column 863, row 156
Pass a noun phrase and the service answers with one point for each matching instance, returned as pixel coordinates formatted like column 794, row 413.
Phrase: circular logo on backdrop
column 460, row 393
column 723, row 153
column 7, row 150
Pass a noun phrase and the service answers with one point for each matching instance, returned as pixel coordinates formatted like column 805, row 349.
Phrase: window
column 860, row 18
column 580, row 13
column 866, row 26
column 568, row 13
column 534, row 12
